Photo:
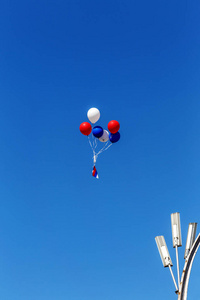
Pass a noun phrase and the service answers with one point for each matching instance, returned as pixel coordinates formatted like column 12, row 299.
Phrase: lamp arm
column 182, row 294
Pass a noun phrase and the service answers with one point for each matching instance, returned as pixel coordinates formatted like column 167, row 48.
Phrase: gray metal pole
column 177, row 262
column 173, row 278
column 183, row 288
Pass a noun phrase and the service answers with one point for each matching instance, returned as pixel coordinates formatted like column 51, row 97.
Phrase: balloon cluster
column 98, row 132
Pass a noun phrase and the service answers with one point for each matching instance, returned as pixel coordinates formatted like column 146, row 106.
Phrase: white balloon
column 93, row 115
column 105, row 137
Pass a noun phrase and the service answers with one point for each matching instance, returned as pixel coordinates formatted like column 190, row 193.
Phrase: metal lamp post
column 191, row 248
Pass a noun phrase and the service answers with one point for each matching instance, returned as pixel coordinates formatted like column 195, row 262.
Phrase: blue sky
column 64, row 234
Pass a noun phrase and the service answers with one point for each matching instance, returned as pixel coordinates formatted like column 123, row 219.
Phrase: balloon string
column 101, row 150
column 108, row 147
column 90, row 143
column 93, row 141
column 93, row 146
column 104, row 148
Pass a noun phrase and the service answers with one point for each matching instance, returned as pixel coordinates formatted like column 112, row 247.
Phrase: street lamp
column 191, row 248
column 176, row 237
column 190, row 238
column 164, row 254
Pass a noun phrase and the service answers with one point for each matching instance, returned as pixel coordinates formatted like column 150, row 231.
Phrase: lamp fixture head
column 176, row 230
column 164, row 253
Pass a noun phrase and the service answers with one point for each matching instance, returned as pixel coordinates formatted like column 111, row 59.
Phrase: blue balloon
column 114, row 137
column 97, row 131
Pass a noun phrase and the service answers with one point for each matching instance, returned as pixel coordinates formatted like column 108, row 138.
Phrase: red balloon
column 113, row 126
column 85, row 128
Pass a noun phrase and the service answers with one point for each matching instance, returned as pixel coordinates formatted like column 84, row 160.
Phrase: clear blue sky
column 63, row 234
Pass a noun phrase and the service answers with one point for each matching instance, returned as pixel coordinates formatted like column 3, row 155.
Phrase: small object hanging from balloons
column 99, row 134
